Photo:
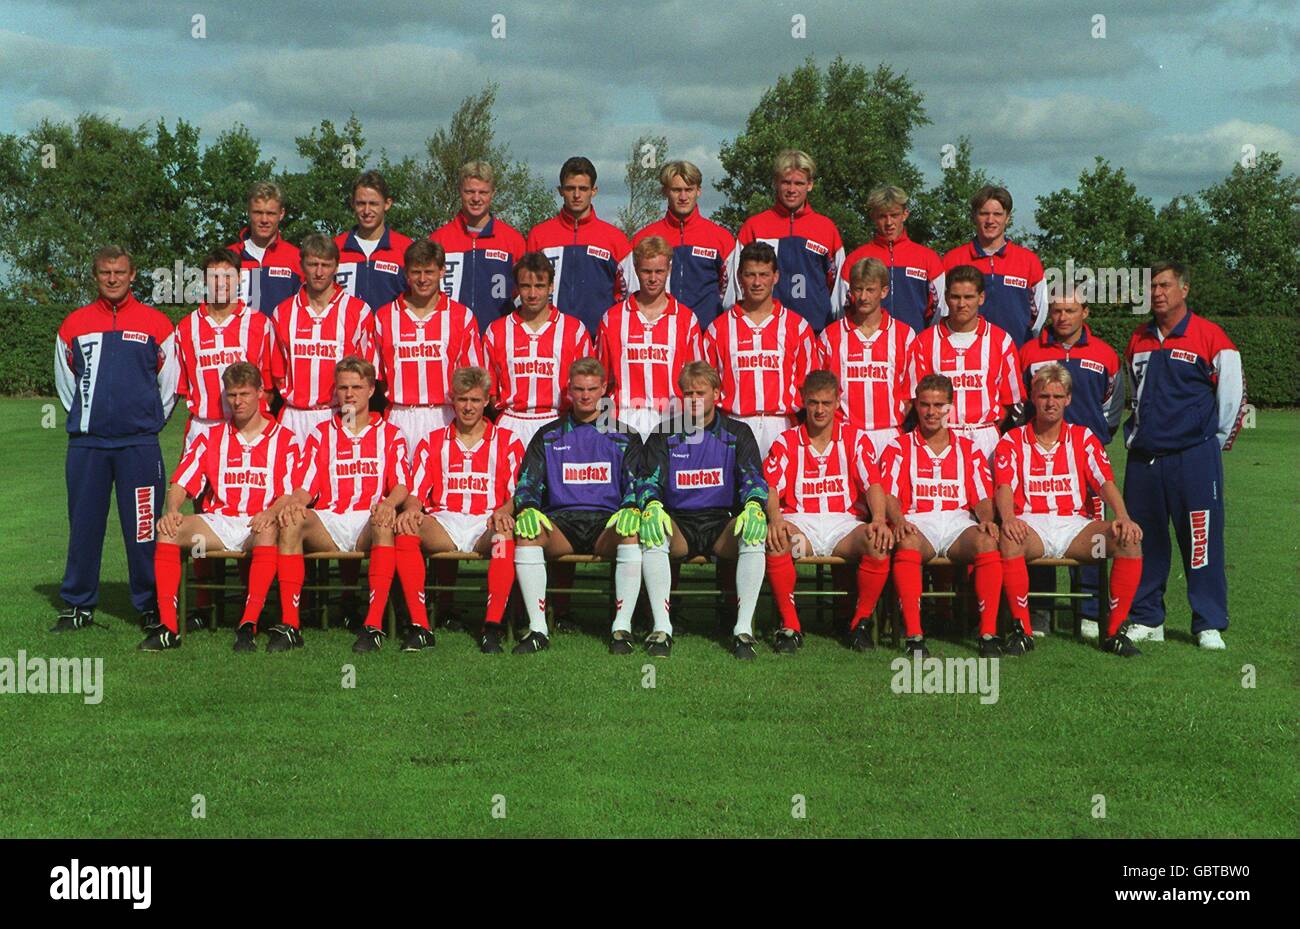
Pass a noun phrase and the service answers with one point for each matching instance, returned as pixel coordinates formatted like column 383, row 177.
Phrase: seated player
column 702, row 492
column 822, row 481
column 464, row 478
column 1043, row 472
column 940, row 506
column 353, row 471
column 243, row 470
column 577, row 494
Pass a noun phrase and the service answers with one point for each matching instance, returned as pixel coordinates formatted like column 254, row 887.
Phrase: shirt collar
column 979, row 252
column 568, row 220
column 784, row 213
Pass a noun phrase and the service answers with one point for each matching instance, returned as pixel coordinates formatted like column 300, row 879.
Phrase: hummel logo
column 296, row 597
column 667, row 605
column 618, row 605
column 1022, row 602
column 1114, row 602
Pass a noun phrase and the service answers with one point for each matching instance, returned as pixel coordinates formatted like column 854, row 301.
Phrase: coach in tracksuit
column 116, row 368
column 1188, row 400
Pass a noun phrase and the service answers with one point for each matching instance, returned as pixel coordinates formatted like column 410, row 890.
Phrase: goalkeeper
column 576, row 494
column 702, row 492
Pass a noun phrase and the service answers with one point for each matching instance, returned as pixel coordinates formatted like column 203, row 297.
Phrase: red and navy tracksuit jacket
column 915, row 279
column 116, row 370
column 809, row 255
column 379, row 278
column 701, row 268
column 1097, row 398
column 480, row 266
column 1015, row 294
column 587, row 256
column 1188, row 400
column 265, row 284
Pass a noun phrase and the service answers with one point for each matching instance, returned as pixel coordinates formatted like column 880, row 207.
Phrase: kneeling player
column 464, row 475
column 238, row 468
column 701, row 488
column 353, row 471
column 940, row 505
column 577, row 493
column 822, row 477
column 1043, row 472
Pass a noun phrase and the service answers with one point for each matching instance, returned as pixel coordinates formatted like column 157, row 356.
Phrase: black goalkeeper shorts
column 581, row 527
column 700, row 528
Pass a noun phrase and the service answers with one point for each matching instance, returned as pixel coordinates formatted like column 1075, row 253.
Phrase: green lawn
column 578, row 747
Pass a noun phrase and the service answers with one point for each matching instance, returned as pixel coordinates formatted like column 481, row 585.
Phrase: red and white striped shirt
column 1054, row 481
column 234, row 476
column 834, row 481
column 530, row 368
column 644, row 358
column 925, row 482
column 985, row 376
column 872, row 371
column 310, row 345
column 762, row 367
column 348, row 473
column 207, row 349
column 417, row 356
column 475, row 481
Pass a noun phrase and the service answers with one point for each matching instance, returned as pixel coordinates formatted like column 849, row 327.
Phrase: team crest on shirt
column 1200, row 520
column 586, row 472
column 388, row 267
column 917, row 273
column 596, row 252
column 698, row 478
column 699, row 251
column 1015, row 281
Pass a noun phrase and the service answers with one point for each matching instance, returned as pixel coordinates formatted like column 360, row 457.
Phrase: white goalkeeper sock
column 530, row 571
column 627, row 585
column 658, row 575
column 750, row 568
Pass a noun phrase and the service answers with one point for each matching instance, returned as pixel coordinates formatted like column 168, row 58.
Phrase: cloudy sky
column 1172, row 98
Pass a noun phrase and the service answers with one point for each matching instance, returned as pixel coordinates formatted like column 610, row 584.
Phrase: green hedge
column 1268, row 349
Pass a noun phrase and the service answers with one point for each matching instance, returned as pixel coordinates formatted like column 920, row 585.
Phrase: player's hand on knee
column 882, row 540
column 1126, row 531
column 383, row 514
column 778, row 535
column 501, row 521
column 903, row 530
column 529, row 523
column 990, row 528
column 262, row 521
column 169, row 525
column 1016, row 530
column 408, row 522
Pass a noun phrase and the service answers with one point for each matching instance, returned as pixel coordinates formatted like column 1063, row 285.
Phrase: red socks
column 907, row 580
column 500, row 578
column 988, row 590
column 1125, row 574
column 383, row 561
column 873, row 574
column 260, row 575
column 1015, row 581
column 291, row 569
column 167, row 575
column 410, row 568
column 781, row 575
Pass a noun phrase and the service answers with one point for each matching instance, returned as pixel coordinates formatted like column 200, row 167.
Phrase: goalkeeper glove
column 626, row 521
column 529, row 522
column 655, row 524
column 751, row 524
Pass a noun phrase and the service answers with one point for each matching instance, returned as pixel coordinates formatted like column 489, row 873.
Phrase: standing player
column 481, row 249
column 1188, row 400
column 1043, row 472
column 978, row 357
column 243, row 468
column 702, row 250
column 115, row 370
column 371, row 255
column 762, row 349
column 1013, row 275
column 807, row 243
column 702, row 492
column 914, row 275
column 940, row 505
column 577, row 492
column 270, row 272
column 868, row 351
column 586, row 252
column 314, row 330
column 645, row 340
column 823, row 481
column 464, row 478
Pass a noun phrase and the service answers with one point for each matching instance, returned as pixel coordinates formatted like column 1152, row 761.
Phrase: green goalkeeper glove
column 529, row 522
column 655, row 524
column 626, row 521
column 751, row 524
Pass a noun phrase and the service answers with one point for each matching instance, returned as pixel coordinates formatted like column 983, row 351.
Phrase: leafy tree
column 228, row 167
column 940, row 216
column 317, row 198
column 857, row 125
column 644, row 193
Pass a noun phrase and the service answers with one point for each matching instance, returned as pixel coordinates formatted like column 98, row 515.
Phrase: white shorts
column 417, row 423
column 767, row 429
column 303, row 422
column 942, row 528
column 344, row 528
column 983, row 436
column 233, row 531
column 824, row 531
column 881, row 438
column 465, row 529
column 526, row 425
column 195, row 428
column 1057, row 532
